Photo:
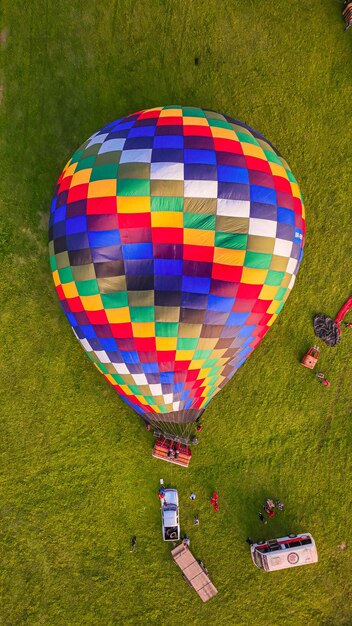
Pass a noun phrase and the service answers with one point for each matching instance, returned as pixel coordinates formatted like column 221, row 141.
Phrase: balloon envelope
column 176, row 234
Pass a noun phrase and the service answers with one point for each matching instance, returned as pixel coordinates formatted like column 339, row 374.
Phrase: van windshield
column 170, row 507
column 258, row 559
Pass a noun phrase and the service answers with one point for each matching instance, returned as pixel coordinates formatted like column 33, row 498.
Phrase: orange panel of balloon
column 176, row 234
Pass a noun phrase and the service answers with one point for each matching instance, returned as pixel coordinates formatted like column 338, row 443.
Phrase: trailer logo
column 293, row 558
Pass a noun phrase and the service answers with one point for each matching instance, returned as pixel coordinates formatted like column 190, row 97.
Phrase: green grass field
column 77, row 476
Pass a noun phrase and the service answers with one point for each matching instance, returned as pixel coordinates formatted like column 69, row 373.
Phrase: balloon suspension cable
column 167, row 427
column 186, row 440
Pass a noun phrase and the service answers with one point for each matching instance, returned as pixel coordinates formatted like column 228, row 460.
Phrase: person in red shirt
column 269, row 507
column 216, row 506
column 161, row 493
column 214, row 498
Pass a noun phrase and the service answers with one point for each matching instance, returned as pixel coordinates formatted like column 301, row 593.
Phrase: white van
column 290, row 551
column 169, row 515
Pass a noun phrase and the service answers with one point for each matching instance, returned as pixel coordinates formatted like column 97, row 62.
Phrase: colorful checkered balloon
column 176, row 234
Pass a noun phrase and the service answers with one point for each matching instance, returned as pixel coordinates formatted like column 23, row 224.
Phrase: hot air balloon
column 176, row 234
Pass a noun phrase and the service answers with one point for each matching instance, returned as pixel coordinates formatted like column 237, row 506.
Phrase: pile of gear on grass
column 269, row 509
column 329, row 331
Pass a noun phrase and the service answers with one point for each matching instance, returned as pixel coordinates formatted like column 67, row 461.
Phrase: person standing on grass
column 192, row 496
column 214, row 498
column 269, row 508
column 196, row 520
column 261, row 518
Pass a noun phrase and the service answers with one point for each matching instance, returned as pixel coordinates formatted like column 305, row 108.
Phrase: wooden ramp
column 194, row 573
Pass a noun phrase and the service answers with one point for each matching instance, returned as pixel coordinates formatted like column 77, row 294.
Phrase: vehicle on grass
column 170, row 515
column 194, row 572
column 290, row 551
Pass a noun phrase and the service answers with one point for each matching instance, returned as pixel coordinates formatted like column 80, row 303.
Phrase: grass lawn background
column 77, row 476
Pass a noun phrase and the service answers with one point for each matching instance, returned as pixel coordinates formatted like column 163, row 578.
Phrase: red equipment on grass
column 343, row 312
column 311, row 357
